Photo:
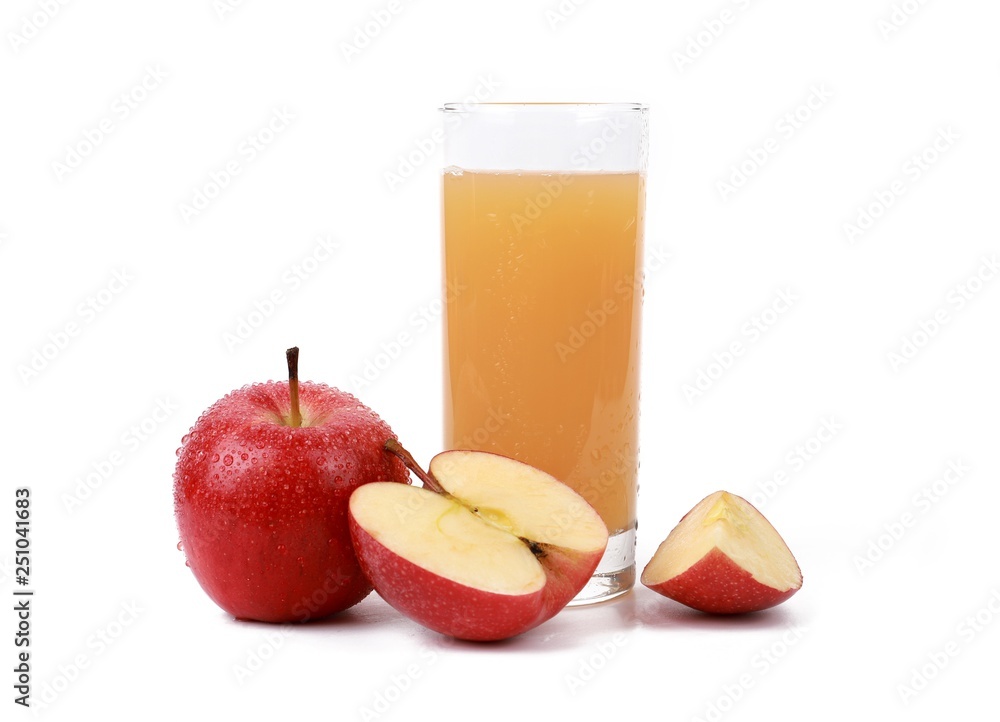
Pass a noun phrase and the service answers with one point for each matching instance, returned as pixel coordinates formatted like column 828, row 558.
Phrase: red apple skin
column 261, row 506
column 717, row 585
column 461, row 611
column 566, row 573
column 441, row 604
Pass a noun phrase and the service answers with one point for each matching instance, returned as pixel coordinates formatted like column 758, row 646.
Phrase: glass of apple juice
column 543, row 215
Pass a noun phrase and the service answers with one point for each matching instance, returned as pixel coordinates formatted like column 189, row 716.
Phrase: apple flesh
column 724, row 557
column 261, row 488
column 488, row 549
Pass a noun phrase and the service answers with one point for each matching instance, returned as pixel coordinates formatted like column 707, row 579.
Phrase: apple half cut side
column 724, row 557
column 487, row 549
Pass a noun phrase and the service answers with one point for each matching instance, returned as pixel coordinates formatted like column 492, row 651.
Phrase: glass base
column 615, row 575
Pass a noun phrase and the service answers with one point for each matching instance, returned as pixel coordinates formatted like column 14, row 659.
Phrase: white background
column 107, row 564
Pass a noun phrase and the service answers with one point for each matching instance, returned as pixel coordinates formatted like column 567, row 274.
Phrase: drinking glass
column 543, row 214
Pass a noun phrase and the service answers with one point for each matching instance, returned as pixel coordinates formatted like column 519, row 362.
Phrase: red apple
column 260, row 495
column 724, row 557
column 488, row 548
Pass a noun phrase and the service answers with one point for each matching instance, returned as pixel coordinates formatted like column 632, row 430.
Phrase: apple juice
column 542, row 324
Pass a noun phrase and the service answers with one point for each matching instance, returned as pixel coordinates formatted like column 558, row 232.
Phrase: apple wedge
column 487, row 549
column 724, row 557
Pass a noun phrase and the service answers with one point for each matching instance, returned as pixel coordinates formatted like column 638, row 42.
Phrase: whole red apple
column 261, row 489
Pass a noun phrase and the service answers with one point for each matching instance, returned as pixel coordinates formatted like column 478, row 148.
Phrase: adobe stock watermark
column 305, row 610
column 256, row 657
column 582, row 159
column 624, row 466
column 496, row 418
column 912, row 170
column 96, row 645
column 760, row 665
column 398, row 684
column 594, row 661
column 624, row 291
column 899, row 15
column 558, row 523
column 32, row 24
column 893, row 531
column 417, row 324
column 594, row 319
column 84, row 314
column 425, row 146
column 972, row 627
column 786, row 127
column 561, row 12
column 413, row 504
column 366, row 31
column 96, row 135
column 956, row 299
column 308, row 606
column 248, row 150
column 224, row 8
column 551, row 190
column 753, row 330
column 266, row 305
column 796, row 460
column 130, row 440
column 711, row 29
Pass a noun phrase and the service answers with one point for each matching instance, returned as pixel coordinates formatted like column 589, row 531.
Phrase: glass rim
column 530, row 105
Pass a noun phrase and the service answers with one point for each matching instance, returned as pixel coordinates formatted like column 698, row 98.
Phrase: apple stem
column 292, row 356
column 429, row 482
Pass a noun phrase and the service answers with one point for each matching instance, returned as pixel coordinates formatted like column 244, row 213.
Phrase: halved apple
column 724, row 557
column 487, row 549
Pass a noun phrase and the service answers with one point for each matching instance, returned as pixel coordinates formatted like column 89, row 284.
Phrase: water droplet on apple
column 282, row 549
column 180, row 546
column 299, row 488
column 215, row 458
column 300, row 560
column 185, row 438
column 178, row 452
column 286, row 487
column 244, row 457
column 227, row 459
column 187, row 563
